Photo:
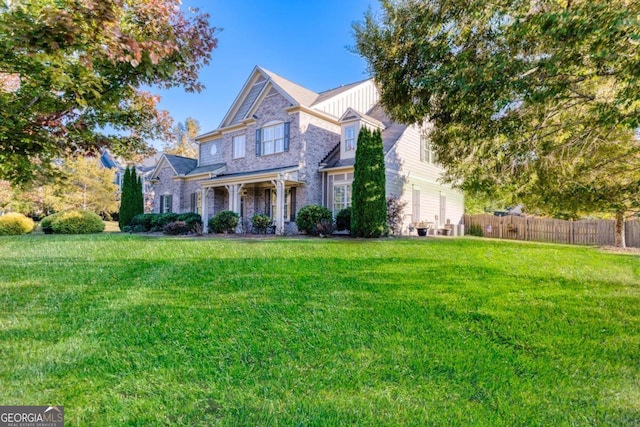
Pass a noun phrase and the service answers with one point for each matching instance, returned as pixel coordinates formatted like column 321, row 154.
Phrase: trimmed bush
column 14, row 224
column 310, row 216
column 160, row 220
column 343, row 219
column 191, row 219
column 176, row 228
column 77, row 222
column 143, row 220
column 224, row 222
column 260, row 223
column 138, row 228
column 47, row 221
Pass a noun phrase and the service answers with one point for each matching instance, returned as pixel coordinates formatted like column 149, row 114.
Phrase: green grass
column 130, row 330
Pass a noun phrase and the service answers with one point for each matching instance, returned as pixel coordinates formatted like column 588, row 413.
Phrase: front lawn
column 130, row 330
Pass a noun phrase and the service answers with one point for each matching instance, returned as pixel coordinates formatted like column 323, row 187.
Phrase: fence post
column 571, row 232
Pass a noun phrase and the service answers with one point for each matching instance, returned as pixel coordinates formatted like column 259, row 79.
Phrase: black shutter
column 161, row 210
column 258, row 145
column 286, row 136
column 292, row 208
column 267, row 202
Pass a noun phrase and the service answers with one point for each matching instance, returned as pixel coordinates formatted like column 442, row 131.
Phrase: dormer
column 350, row 124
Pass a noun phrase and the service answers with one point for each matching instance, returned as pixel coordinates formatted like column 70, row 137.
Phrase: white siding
column 361, row 98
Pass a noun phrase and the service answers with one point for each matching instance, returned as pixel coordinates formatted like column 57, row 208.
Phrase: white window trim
column 276, row 149
column 242, row 140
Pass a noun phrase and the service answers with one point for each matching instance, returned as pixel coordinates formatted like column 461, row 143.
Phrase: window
column 350, row 138
column 341, row 197
column 166, row 203
column 196, row 202
column 272, row 139
column 239, row 143
column 426, row 150
column 271, row 207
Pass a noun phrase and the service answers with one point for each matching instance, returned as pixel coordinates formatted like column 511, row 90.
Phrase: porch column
column 235, row 191
column 279, row 219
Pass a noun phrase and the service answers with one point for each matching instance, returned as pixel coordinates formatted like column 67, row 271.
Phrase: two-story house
column 282, row 146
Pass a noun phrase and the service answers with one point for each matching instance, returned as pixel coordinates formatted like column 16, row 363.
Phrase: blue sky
column 304, row 41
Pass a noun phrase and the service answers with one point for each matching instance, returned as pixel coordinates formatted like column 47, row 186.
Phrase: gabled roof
column 181, row 165
column 211, row 169
column 352, row 114
column 258, row 83
column 391, row 133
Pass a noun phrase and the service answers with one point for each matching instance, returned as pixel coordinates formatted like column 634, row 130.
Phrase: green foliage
column 72, row 69
column 311, row 217
column 224, row 222
column 176, row 228
column 182, row 141
column 261, row 222
column 343, row 219
column 158, row 221
column 191, row 219
column 138, row 229
column 15, row 224
column 369, row 213
column 395, row 208
column 131, row 199
column 76, row 222
column 47, row 221
column 143, row 220
column 475, row 230
column 534, row 101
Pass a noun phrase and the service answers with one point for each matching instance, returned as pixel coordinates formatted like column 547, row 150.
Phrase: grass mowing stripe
column 128, row 330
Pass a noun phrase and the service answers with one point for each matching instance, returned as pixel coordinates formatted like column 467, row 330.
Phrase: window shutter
column 258, row 145
column 161, row 210
column 292, row 208
column 286, row 136
column 422, row 143
column 170, row 203
column 267, row 202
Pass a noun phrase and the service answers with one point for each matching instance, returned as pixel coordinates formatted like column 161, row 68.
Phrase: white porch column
column 235, row 192
column 279, row 219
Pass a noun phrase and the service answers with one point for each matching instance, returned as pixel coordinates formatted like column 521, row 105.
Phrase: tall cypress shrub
column 139, row 197
column 128, row 197
column 369, row 205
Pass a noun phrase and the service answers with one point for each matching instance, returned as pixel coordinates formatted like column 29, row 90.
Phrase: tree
column 83, row 184
column 369, row 205
column 130, row 196
column 536, row 100
column 183, row 139
column 89, row 186
column 71, row 74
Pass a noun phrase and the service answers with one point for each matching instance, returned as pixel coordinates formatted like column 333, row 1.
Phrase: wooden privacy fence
column 599, row 232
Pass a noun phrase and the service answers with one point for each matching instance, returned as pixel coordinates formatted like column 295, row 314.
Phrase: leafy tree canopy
column 537, row 100
column 183, row 139
column 71, row 73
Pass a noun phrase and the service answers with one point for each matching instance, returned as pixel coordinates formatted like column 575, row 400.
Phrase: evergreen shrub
column 77, row 222
column 14, row 224
column 224, row 222
column 311, row 216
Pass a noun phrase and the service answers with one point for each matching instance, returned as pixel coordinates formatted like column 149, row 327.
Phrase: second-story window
column 239, row 144
column 272, row 139
column 350, row 138
column 426, row 150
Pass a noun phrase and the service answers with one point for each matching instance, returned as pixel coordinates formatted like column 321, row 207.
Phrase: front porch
column 272, row 193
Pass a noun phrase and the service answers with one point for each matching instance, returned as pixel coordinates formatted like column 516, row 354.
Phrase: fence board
column 600, row 232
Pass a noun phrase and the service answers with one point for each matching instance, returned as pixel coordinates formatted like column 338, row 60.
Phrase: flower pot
column 422, row 231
